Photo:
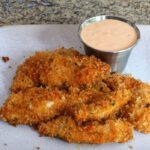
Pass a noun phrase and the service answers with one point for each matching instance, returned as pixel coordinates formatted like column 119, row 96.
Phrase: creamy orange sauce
column 109, row 35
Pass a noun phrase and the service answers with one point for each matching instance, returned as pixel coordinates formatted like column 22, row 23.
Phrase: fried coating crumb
column 137, row 111
column 5, row 59
column 58, row 68
column 91, row 71
column 101, row 105
column 66, row 128
column 130, row 146
column 33, row 105
column 75, row 97
column 37, row 148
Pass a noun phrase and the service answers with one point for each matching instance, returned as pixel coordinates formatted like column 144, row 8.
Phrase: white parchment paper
column 19, row 42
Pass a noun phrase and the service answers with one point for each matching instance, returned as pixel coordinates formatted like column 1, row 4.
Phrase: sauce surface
column 109, row 35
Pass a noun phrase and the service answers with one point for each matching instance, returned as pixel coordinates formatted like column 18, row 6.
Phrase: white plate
column 19, row 41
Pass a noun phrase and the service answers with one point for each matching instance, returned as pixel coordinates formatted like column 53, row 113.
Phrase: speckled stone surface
column 70, row 11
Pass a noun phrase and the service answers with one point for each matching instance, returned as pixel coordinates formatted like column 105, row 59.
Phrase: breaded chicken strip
column 101, row 106
column 137, row 111
column 33, row 70
column 34, row 105
column 92, row 132
column 60, row 68
column 138, row 116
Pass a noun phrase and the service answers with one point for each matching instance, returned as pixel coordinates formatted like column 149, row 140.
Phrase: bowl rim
column 105, row 17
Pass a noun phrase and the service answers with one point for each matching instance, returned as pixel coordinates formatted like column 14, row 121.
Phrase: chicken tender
column 34, row 105
column 101, row 106
column 60, row 68
column 137, row 111
column 66, row 128
column 33, row 70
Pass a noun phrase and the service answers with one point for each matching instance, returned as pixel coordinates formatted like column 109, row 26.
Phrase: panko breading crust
column 93, row 132
column 33, row 105
column 59, row 68
column 101, row 105
column 137, row 111
column 76, row 98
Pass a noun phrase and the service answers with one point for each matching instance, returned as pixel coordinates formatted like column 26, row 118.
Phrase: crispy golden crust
column 74, row 97
column 101, row 105
column 142, row 123
column 118, row 81
column 58, row 68
column 137, row 111
column 32, row 106
column 91, row 71
column 32, row 72
column 93, row 132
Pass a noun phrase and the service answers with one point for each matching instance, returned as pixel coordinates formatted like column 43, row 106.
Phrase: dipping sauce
column 109, row 35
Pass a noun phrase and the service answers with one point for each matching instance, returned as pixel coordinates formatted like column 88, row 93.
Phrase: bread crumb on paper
column 5, row 59
column 37, row 148
column 130, row 146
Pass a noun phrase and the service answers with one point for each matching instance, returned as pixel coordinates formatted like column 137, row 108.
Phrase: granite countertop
column 70, row 11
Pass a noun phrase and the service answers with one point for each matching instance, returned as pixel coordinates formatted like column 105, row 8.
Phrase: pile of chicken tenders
column 75, row 97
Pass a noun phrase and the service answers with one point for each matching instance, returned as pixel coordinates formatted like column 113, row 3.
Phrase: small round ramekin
column 116, row 59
